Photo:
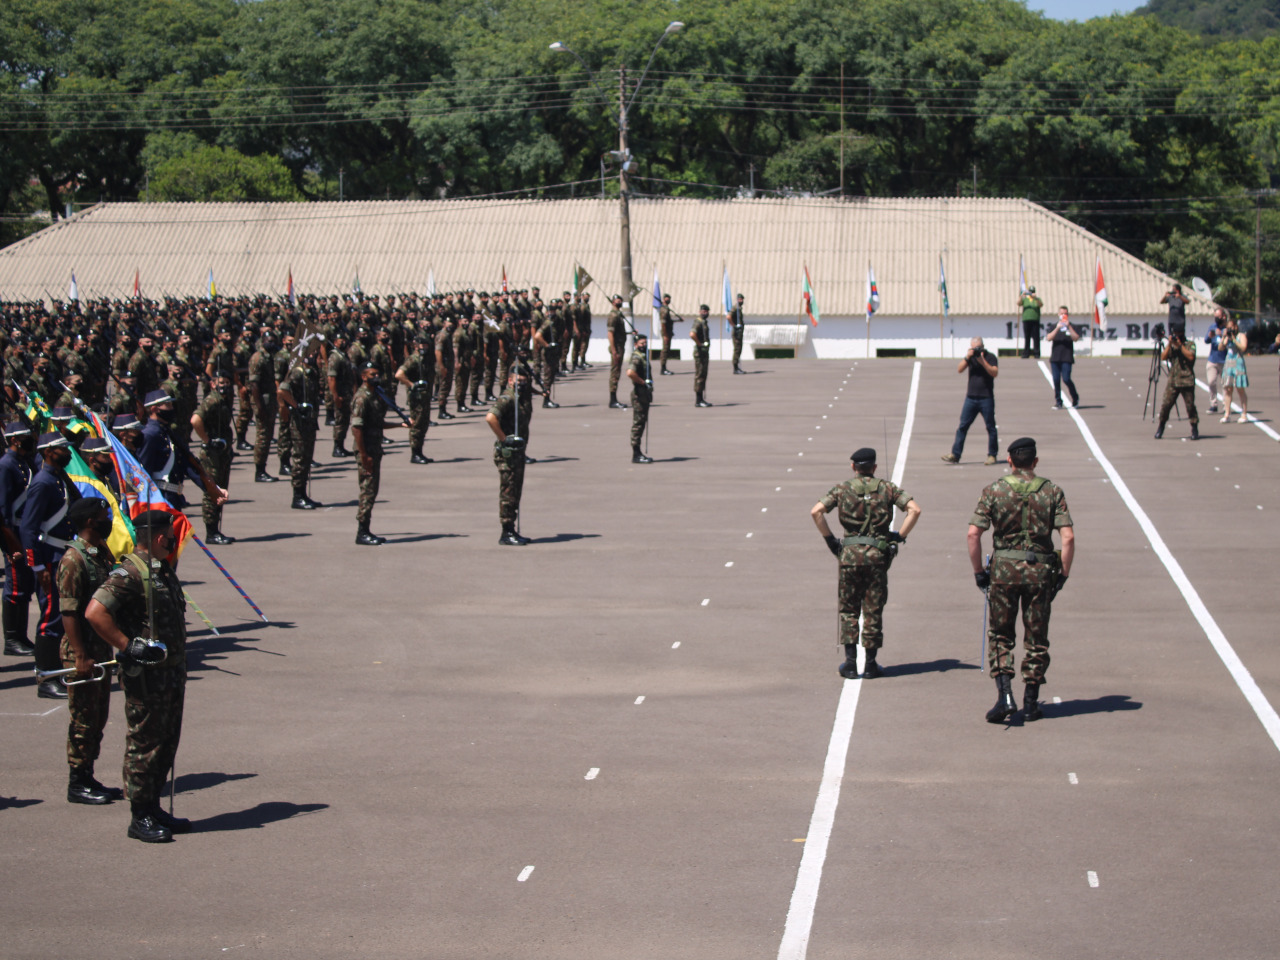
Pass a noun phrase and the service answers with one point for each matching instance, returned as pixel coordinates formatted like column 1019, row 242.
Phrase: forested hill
column 1214, row 18
column 1132, row 128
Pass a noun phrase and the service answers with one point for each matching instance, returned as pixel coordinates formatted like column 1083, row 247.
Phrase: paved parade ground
column 611, row 743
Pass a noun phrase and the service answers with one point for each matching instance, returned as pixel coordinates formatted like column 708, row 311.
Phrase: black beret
column 80, row 512
column 1024, row 445
column 158, row 521
column 864, row 455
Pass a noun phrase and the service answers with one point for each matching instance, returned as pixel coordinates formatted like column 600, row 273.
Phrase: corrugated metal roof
column 765, row 243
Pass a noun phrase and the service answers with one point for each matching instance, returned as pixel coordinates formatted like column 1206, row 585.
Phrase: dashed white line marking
column 676, row 645
column 524, row 874
column 592, row 773
column 706, row 601
column 801, row 454
column 777, row 489
column 729, row 564
column 1237, row 486
column 824, row 416
column 1093, row 878
column 749, row 536
column 1057, row 699
column 1072, row 778
column 639, row 700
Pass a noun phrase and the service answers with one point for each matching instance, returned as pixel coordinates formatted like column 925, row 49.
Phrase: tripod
column 1153, row 378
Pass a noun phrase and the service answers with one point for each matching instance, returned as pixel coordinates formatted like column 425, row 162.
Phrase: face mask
column 166, row 416
column 61, row 458
column 100, row 469
column 102, row 527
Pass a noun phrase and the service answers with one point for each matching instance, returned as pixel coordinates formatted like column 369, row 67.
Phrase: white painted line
column 795, row 937
column 524, row 874
column 592, row 773
column 1072, row 778
column 1093, row 878
column 729, row 564
column 788, row 469
column 1057, row 699
column 676, row 645
column 764, row 509
column 45, row 714
column 639, row 700
column 1235, row 666
column 776, row 489
column 804, row 898
column 706, row 601
column 748, row 536
column 801, row 453
column 1235, row 408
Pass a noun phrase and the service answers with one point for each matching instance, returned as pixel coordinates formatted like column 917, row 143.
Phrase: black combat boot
column 1005, row 707
column 261, row 476
column 82, row 788
column 16, row 643
column 701, row 402
column 849, row 669
column 285, row 469
column 1031, row 702
column 48, row 658
column 550, row 404
column 145, row 827
column 418, row 457
column 1195, row 430
column 340, row 451
column 303, row 503
column 614, row 404
column 637, row 456
column 871, row 669
column 510, row 538
column 213, row 534
column 243, row 444
column 1160, row 431
column 170, row 823
column 366, row 539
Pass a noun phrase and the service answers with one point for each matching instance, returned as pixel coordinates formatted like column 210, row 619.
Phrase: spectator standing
column 1062, row 358
column 1217, row 357
column 980, row 398
column 1235, row 378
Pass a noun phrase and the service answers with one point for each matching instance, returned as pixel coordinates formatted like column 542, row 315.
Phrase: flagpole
column 868, row 308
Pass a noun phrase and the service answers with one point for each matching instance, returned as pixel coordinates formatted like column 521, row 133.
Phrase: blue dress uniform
column 46, row 533
column 166, row 459
column 15, row 477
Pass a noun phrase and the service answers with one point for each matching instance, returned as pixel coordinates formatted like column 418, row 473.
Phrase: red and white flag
column 1099, row 297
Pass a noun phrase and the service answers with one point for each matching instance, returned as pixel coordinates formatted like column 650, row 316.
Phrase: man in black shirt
column 980, row 398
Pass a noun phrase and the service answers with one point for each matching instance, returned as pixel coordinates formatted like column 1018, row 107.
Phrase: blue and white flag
column 727, row 292
column 74, row 294
column 657, row 298
column 942, row 287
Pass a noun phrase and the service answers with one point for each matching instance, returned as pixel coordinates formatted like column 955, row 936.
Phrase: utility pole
column 1257, row 265
column 622, row 189
column 842, row 129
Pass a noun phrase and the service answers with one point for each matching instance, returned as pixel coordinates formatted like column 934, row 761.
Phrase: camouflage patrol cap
column 863, row 455
column 1023, row 446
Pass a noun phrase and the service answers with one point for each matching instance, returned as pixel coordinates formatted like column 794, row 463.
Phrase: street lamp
column 623, row 155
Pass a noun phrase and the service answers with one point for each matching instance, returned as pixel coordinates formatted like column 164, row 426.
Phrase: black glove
column 834, row 544
column 893, row 536
column 983, row 579
column 142, row 653
column 1058, row 584
column 514, row 443
column 217, row 443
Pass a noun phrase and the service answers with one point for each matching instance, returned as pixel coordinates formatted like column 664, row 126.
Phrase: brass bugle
column 99, row 673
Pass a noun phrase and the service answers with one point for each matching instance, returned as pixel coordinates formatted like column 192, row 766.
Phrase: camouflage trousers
column 284, row 445
column 864, row 589
column 302, row 437
column 341, row 420
column 701, row 360
column 510, row 484
column 217, row 463
column 491, row 372
column 369, row 481
column 1001, row 634
column 666, row 347
column 737, row 345
column 615, row 371
column 584, row 340
column 419, row 415
column 264, row 424
column 444, row 384
column 88, row 706
column 153, row 714
column 1171, row 394
column 550, row 368
column 641, row 397
column 244, row 412
column 462, row 380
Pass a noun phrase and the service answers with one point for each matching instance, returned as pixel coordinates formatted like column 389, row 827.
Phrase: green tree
column 219, row 174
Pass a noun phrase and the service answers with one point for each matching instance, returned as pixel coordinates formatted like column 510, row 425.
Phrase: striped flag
column 431, row 282
column 293, row 300
column 873, row 293
column 657, row 298
column 213, row 289
column 810, row 301
column 1022, row 276
column 504, row 278
column 137, row 288
column 355, row 286
column 581, row 279
column 726, row 295
column 942, row 287
column 1099, row 297
column 121, row 538
column 147, row 495
column 74, row 294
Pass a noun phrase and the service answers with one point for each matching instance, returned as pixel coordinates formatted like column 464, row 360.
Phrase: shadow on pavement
column 423, row 536
column 1074, row 708
column 674, row 459
column 928, row 666
column 200, row 781
column 7, row 803
column 266, row 538
column 455, row 460
column 565, row 537
column 555, row 458
column 255, row 818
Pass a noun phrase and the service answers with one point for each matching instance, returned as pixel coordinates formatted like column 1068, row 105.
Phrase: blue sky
column 1082, row 9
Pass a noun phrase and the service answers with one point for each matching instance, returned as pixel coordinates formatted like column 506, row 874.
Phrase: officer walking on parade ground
column 82, row 570
column 509, row 412
column 865, row 506
column 640, row 373
column 1022, row 511
column 139, row 612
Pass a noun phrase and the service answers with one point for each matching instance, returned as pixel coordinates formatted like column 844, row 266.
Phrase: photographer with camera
column 1062, row 358
column 1177, row 302
column 982, row 367
column 1180, row 354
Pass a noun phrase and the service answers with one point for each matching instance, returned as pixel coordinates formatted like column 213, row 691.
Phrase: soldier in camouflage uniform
column 865, row 506
column 262, row 395
column 300, row 395
column 1181, row 356
column 280, row 365
column 84, row 568
column 342, row 383
column 154, row 678
column 416, row 373
column 504, row 417
column 545, row 339
column 213, row 425
column 616, row 327
column 738, row 323
column 1022, row 511
column 640, row 373
column 445, row 361
column 368, row 420
column 700, row 334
